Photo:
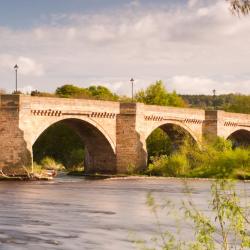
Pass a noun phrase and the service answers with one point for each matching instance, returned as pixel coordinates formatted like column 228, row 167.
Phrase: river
column 77, row 213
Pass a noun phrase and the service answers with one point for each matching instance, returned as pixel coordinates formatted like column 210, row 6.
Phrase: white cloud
column 27, row 66
column 200, row 85
column 192, row 49
column 192, row 3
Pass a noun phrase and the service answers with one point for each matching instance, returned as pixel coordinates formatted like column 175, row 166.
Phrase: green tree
column 92, row 92
column 102, row 93
column 71, row 91
column 239, row 104
column 156, row 94
column 230, row 102
column 158, row 143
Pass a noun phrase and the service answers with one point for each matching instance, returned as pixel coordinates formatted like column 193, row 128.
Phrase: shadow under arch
column 100, row 156
column 240, row 137
column 175, row 135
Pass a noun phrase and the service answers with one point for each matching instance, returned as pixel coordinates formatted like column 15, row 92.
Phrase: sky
column 193, row 46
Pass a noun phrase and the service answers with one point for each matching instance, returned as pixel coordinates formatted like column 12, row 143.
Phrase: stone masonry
column 114, row 133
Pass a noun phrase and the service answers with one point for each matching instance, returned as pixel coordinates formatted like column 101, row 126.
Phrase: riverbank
column 45, row 177
column 145, row 177
column 28, row 177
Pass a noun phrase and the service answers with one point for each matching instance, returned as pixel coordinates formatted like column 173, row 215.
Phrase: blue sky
column 30, row 13
column 194, row 46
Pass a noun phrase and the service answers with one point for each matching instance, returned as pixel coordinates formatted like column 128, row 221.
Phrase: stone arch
column 101, row 155
column 177, row 124
column 240, row 137
column 176, row 131
column 41, row 126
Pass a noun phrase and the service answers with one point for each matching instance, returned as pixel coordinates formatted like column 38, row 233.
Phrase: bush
column 215, row 160
column 178, row 165
column 50, row 164
column 158, row 166
column 174, row 165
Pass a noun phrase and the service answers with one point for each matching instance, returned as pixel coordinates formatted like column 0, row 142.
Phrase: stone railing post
column 210, row 127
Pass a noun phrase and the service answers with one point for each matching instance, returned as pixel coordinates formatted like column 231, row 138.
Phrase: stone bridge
column 114, row 133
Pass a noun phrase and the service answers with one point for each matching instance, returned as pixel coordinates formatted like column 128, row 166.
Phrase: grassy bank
column 214, row 160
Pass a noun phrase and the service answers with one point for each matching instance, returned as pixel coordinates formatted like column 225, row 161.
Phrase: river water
column 76, row 213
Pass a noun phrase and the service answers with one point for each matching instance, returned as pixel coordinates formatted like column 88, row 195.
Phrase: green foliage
column 221, row 145
column 76, row 170
column 76, row 156
column 60, row 143
column 221, row 162
column 158, row 143
column 156, row 94
column 230, row 214
column 178, row 165
column 102, row 93
column 36, row 168
column 239, row 104
column 50, row 164
column 92, row 92
column 227, row 227
column 158, row 167
column 71, row 91
column 231, row 102
column 175, row 165
column 214, row 160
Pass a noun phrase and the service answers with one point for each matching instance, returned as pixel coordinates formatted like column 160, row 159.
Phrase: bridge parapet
column 154, row 116
column 158, row 113
column 229, row 123
column 66, row 105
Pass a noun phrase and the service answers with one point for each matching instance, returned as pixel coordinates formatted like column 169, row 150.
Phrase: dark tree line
column 232, row 102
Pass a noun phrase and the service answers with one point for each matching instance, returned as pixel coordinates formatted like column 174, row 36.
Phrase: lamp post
column 16, row 68
column 214, row 100
column 132, row 84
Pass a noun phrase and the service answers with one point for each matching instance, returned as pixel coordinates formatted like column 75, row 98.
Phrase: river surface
column 76, row 213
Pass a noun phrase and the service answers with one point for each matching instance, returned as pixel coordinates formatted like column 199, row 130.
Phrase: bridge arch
column 240, row 137
column 164, row 125
column 175, row 131
column 99, row 147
